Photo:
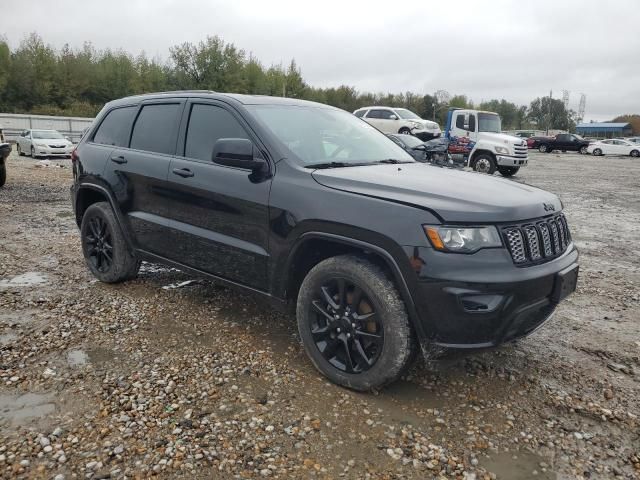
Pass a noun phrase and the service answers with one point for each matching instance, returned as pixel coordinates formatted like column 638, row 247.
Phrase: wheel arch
column 477, row 153
column 87, row 194
column 313, row 247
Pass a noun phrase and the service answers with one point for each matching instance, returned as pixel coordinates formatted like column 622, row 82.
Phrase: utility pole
column 549, row 117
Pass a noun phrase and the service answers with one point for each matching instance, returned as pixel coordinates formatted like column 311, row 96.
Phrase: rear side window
column 207, row 124
column 359, row 113
column 375, row 114
column 155, row 128
column 115, row 128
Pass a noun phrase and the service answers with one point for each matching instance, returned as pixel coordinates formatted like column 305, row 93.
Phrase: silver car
column 44, row 143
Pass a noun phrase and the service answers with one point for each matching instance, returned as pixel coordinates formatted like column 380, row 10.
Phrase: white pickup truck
column 476, row 135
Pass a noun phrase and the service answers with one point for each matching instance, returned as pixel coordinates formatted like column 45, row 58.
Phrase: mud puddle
column 20, row 409
column 518, row 466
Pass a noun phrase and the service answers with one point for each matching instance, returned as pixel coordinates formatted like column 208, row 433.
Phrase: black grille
column 537, row 241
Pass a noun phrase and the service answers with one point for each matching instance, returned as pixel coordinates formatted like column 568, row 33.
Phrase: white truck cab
column 477, row 135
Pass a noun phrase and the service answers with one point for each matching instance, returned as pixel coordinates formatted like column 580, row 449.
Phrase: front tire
column 508, row 171
column 370, row 343
column 484, row 163
column 104, row 247
column 20, row 152
column 583, row 150
column 404, row 131
column 33, row 153
column 597, row 152
column 543, row 149
column 3, row 174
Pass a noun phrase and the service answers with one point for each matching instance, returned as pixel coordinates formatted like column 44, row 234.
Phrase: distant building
column 604, row 129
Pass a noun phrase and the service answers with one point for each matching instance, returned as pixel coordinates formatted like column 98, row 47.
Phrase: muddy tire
column 353, row 324
column 508, row 171
column 484, row 163
column 104, row 247
column 3, row 173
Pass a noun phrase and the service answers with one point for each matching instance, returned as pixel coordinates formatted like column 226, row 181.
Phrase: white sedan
column 614, row 147
column 43, row 143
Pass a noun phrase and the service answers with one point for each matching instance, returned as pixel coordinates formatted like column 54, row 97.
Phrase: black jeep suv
column 311, row 207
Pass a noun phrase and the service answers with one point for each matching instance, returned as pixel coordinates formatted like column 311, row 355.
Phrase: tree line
column 37, row 78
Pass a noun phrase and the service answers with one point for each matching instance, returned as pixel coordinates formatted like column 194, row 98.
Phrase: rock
column 608, row 394
column 44, row 441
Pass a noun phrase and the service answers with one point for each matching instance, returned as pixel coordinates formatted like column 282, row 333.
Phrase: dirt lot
column 199, row 381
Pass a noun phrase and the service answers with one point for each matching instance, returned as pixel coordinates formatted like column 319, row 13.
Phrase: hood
column 453, row 195
column 427, row 124
column 52, row 141
column 504, row 138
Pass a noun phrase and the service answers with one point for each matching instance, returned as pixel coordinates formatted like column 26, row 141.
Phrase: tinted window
column 155, row 128
column 472, row 123
column 115, row 128
column 359, row 113
column 207, row 124
column 384, row 114
column 460, row 122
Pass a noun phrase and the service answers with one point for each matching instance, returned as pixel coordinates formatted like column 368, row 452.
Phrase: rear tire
column 635, row 153
column 3, row 174
column 484, row 163
column 583, row 150
column 508, row 171
column 371, row 342
column 104, row 247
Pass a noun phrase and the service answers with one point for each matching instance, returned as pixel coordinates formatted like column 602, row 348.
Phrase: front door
column 218, row 217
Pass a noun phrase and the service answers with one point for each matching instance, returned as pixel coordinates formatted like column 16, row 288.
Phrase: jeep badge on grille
column 549, row 207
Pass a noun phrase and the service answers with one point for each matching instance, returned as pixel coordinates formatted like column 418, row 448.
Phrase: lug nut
column 336, row 317
column 348, row 335
column 353, row 325
column 338, row 329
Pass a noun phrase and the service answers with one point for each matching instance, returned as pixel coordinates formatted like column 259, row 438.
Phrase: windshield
column 46, row 134
column 578, row 137
column 489, row 122
column 410, row 141
column 407, row 114
column 323, row 135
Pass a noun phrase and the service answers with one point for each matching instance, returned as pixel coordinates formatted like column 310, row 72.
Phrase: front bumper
column 483, row 300
column 426, row 135
column 53, row 152
column 507, row 161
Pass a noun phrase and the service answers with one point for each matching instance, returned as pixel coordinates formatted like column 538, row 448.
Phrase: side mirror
column 237, row 152
column 393, row 117
column 466, row 121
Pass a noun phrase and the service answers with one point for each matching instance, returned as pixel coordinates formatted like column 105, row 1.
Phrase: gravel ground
column 199, row 381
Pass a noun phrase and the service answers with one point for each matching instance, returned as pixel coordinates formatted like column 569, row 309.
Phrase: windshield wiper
column 391, row 160
column 332, row 165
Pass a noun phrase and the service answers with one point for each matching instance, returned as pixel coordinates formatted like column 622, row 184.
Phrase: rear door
column 219, row 217
column 138, row 173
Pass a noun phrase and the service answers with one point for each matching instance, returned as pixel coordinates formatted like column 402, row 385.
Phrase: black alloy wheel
column 345, row 327
column 99, row 244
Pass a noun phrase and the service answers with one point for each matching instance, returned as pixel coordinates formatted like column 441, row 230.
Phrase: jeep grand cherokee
column 312, row 208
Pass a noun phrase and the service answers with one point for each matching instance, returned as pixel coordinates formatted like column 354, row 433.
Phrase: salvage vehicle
column 412, row 145
column 475, row 138
column 565, row 142
column 5, row 150
column 43, row 143
column 614, row 147
column 319, row 213
column 399, row 120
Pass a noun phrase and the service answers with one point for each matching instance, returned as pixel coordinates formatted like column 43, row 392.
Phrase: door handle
column 183, row 172
column 119, row 159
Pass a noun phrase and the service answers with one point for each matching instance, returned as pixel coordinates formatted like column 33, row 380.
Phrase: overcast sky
column 516, row 50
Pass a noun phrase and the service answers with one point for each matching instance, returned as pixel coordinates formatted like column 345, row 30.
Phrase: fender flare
column 390, row 261
column 114, row 206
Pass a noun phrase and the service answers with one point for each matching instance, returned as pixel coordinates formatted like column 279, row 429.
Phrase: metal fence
column 72, row 127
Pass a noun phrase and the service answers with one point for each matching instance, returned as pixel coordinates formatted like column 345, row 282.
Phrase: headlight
column 416, row 125
column 502, row 150
column 462, row 239
column 40, row 144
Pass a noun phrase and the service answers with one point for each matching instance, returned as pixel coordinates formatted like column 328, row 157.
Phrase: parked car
column 43, row 143
column 412, row 145
column 633, row 139
column 399, row 120
column 318, row 212
column 614, row 147
column 566, row 142
column 5, row 150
